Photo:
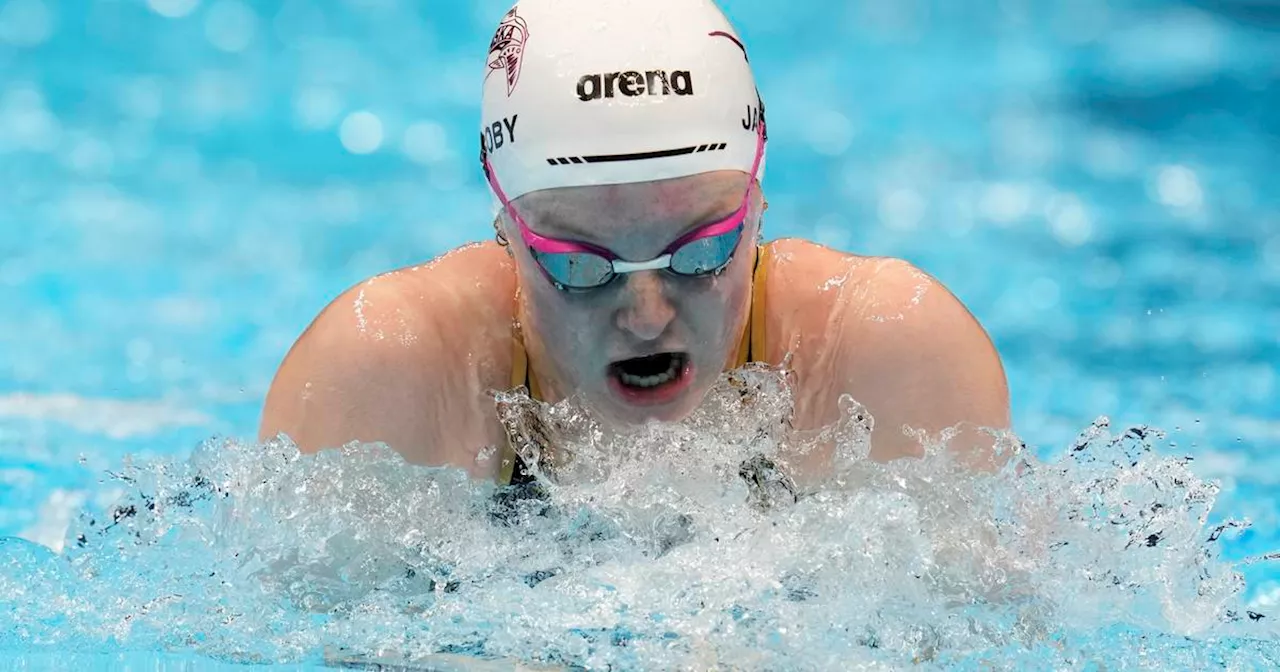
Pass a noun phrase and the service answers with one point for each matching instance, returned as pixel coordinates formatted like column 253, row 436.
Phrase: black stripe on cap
column 637, row 156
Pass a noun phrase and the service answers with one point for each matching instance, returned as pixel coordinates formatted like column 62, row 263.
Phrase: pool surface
column 184, row 184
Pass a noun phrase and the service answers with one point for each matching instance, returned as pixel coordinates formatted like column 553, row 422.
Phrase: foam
column 675, row 546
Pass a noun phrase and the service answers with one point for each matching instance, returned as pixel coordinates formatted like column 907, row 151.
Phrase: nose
column 645, row 311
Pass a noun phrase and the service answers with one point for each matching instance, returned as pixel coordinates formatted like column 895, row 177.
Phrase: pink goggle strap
column 548, row 245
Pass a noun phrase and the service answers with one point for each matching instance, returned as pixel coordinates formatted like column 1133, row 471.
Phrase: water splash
column 685, row 545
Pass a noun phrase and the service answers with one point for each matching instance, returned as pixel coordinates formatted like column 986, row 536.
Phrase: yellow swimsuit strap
column 752, row 346
column 520, row 375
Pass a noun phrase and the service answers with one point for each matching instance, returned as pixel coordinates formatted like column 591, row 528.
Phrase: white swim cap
column 589, row 92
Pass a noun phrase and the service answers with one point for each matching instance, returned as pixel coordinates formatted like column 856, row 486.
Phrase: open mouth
column 642, row 374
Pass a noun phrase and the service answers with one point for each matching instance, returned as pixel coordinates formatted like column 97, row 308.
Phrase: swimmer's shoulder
column 472, row 286
column 809, row 286
column 808, row 277
column 459, row 301
column 885, row 332
column 406, row 357
column 805, row 262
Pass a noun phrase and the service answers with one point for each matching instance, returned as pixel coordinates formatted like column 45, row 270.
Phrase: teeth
column 652, row 381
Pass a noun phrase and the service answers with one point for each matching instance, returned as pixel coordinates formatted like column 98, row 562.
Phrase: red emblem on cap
column 507, row 47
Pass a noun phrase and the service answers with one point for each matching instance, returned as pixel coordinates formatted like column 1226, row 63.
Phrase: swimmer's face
column 649, row 344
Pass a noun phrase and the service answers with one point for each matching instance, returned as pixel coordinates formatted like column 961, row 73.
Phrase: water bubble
column 830, row 132
column 1178, row 188
column 1069, row 220
column 230, row 25
column 139, row 351
column 25, row 122
column 1005, row 203
column 426, row 142
column 142, row 98
column 1042, row 294
column 902, row 208
column 361, row 132
column 91, row 156
column 315, row 108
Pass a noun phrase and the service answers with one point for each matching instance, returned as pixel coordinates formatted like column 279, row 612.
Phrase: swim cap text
column 633, row 83
column 499, row 133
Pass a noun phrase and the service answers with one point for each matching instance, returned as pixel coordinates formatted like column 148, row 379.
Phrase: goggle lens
column 575, row 270
column 706, row 255
column 585, row 270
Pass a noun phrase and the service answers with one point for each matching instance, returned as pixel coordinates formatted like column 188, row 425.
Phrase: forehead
column 678, row 202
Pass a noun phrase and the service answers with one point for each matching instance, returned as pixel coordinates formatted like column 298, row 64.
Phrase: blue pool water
column 185, row 183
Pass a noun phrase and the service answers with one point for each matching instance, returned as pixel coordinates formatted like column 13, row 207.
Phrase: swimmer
column 625, row 146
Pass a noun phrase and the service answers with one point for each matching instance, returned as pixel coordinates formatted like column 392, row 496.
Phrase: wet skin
column 410, row 357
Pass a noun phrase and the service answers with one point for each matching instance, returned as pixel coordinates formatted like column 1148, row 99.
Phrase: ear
column 500, row 234
column 764, row 200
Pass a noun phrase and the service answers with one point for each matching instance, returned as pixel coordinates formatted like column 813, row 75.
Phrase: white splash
column 921, row 287
column 361, row 323
column 373, row 325
column 834, row 283
column 405, row 334
column 864, row 290
column 670, row 547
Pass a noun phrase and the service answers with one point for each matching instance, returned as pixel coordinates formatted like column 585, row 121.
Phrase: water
column 664, row 557
column 1096, row 181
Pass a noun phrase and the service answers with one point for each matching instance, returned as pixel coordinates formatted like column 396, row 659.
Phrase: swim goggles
column 576, row 265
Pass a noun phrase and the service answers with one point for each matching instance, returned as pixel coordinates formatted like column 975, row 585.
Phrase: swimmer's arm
column 925, row 365
column 401, row 360
column 337, row 385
